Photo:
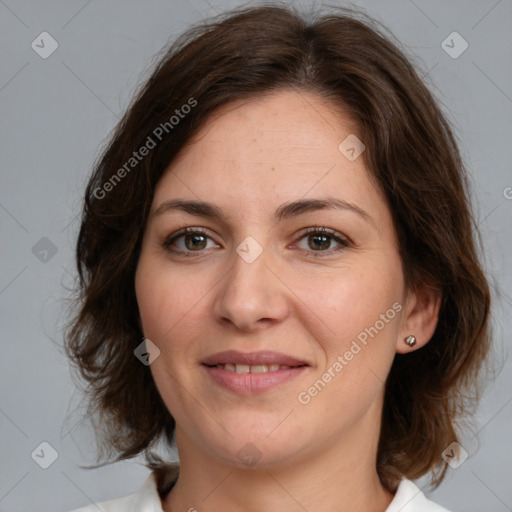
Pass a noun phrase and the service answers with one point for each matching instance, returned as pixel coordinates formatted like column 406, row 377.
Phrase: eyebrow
column 285, row 211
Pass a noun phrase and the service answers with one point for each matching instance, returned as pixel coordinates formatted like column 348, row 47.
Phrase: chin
column 257, row 448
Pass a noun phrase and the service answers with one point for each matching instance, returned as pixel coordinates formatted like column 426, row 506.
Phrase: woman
column 278, row 268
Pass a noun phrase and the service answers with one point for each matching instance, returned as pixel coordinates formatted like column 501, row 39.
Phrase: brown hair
column 410, row 153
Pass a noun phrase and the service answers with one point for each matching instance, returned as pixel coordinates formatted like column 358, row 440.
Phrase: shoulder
column 146, row 499
column 409, row 498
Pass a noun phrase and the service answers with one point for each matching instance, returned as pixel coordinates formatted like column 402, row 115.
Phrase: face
column 276, row 323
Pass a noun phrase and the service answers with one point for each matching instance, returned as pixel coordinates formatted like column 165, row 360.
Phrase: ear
column 420, row 317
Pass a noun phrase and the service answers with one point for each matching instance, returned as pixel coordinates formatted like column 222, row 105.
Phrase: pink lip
column 248, row 383
column 252, row 358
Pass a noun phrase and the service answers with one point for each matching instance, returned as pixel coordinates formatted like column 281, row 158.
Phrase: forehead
column 278, row 147
column 290, row 125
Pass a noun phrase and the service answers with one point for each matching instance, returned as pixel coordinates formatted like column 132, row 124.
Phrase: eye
column 187, row 240
column 319, row 239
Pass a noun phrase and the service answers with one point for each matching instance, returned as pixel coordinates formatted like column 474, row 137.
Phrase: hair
column 412, row 156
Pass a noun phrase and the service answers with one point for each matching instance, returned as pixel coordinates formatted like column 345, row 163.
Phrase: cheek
column 349, row 303
column 162, row 299
column 360, row 318
column 362, row 311
column 174, row 307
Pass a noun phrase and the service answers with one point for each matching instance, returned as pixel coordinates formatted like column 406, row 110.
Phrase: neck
column 338, row 475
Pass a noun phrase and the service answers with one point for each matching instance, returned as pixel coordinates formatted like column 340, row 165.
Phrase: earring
column 410, row 340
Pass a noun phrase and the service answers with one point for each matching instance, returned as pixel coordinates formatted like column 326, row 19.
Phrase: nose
column 251, row 296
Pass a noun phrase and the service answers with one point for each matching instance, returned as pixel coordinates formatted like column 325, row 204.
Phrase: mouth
column 256, row 368
column 252, row 372
column 263, row 358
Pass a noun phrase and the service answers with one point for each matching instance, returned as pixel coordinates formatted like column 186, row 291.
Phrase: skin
column 249, row 159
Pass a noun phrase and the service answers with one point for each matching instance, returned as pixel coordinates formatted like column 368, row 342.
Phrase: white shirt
column 408, row 498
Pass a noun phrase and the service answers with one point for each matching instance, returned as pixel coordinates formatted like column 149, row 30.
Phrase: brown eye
column 187, row 240
column 194, row 241
column 319, row 240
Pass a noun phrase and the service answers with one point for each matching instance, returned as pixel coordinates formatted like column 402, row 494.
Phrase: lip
column 251, row 383
column 252, row 358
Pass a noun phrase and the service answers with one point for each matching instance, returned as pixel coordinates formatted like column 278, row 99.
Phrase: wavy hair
column 412, row 156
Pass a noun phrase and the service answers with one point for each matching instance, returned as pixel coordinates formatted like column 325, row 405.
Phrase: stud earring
column 410, row 340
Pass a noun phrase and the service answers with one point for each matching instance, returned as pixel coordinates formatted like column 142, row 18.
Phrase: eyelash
column 344, row 243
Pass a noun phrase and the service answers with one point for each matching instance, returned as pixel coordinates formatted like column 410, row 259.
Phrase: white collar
column 409, row 498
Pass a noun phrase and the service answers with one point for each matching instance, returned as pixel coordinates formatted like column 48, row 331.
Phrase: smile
column 258, row 368
column 251, row 372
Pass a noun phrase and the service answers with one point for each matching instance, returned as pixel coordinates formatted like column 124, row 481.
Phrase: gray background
column 55, row 115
